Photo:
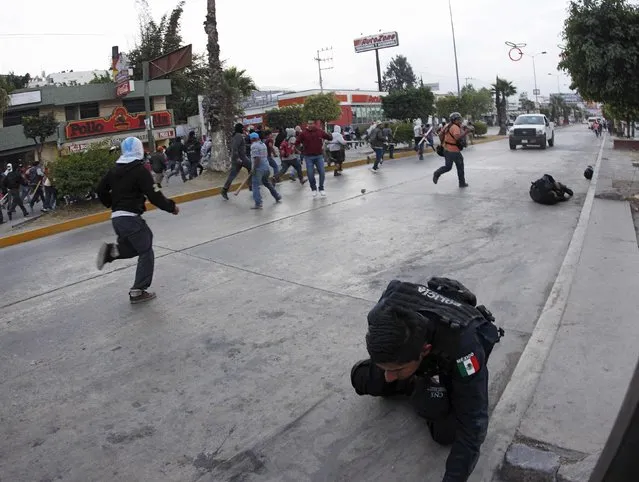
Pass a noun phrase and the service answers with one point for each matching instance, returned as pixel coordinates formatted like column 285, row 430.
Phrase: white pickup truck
column 532, row 130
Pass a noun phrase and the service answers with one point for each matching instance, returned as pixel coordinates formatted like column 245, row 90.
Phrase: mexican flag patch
column 468, row 365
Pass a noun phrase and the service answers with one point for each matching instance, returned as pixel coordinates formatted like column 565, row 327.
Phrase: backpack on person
column 286, row 151
column 33, row 178
column 546, row 190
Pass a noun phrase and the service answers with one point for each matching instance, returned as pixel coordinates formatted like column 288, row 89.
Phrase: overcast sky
column 276, row 40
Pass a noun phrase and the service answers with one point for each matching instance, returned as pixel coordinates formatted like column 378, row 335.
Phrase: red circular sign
column 515, row 54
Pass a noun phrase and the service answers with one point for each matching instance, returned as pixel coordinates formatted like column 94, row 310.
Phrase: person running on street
column 337, row 149
column 451, row 137
column 192, row 149
column 418, row 136
column 289, row 158
column 260, row 173
column 175, row 155
column 267, row 138
column 376, row 140
column 239, row 159
column 387, row 132
column 13, row 182
column 35, row 175
column 312, row 139
column 125, row 189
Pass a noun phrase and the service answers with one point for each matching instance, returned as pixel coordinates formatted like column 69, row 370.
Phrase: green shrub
column 480, row 128
column 403, row 132
column 80, row 173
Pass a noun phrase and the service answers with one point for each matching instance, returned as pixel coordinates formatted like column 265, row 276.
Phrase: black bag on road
column 548, row 191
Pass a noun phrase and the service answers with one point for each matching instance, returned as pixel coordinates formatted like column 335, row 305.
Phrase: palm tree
column 215, row 98
column 502, row 89
column 240, row 82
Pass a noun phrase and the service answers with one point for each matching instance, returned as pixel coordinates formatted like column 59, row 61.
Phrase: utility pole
column 452, row 26
column 321, row 60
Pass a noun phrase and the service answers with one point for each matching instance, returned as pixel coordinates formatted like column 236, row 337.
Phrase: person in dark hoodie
column 192, row 149
column 239, row 159
column 312, row 140
column 124, row 189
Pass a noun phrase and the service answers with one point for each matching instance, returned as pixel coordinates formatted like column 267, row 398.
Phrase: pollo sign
column 374, row 42
column 120, row 120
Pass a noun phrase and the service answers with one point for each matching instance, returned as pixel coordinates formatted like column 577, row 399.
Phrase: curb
column 103, row 216
column 519, row 391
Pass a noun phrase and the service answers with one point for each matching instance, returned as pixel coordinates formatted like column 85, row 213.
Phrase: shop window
column 14, row 118
column 88, row 111
column 71, row 112
column 135, row 106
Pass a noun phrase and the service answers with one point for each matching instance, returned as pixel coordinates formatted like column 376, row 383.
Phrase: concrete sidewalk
column 591, row 362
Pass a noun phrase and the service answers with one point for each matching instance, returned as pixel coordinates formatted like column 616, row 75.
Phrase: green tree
column 525, row 104
column 409, row 104
column 11, row 81
column 38, row 129
column 289, row 116
column 103, row 78
column 80, row 172
column 399, row 75
column 502, row 89
column 475, row 103
column 449, row 103
column 600, row 50
column 322, row 107
column 159, row 38
column 236, row 87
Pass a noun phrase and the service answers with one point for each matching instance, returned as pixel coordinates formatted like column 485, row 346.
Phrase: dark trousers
column 453, row 158
column 391, row 150
column 368, row 379
column 295, row 164
column 136, row 239
column 193, row 169
column 15, row 201
column 37, row 195
column 49, row 197
column 236, row 167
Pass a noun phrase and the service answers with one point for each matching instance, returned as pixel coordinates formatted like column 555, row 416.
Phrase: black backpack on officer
column 546, row 190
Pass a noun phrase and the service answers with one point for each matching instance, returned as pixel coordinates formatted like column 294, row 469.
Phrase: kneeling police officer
column 432, row 343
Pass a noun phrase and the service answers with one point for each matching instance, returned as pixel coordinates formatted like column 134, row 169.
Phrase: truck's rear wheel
column 513, row 146
column 551, row 142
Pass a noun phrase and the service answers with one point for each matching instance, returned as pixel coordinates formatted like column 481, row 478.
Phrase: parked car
column 532, row 130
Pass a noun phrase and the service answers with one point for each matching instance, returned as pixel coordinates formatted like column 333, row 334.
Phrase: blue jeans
column 311, row 163
column 261, row 177
column 379, row 155
column 273, row 164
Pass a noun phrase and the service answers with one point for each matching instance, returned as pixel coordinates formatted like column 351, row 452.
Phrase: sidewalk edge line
column 102, row 216
column 520, row 390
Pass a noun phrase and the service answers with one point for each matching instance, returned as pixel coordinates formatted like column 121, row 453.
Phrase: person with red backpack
column 289, row 158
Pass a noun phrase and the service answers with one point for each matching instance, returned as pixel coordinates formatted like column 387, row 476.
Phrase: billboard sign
column 120, row 120
column 122, row 73
column 374, row 42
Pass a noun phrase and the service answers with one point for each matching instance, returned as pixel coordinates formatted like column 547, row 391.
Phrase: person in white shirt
column 337, row 149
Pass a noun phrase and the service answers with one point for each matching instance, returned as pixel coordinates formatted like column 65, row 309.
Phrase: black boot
column 225, row 194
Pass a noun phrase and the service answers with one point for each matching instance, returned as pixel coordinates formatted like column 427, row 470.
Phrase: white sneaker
column 314, row 193
column 322, row 193
column 374, row 170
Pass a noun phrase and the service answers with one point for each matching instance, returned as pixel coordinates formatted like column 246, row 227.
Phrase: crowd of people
column 30, row 184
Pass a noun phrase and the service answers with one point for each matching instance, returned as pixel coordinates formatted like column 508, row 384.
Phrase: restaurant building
column 359, row 107
column 87, row 114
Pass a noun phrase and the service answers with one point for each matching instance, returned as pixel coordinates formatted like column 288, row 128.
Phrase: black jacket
column 126, row 186
column 14, row 180
column 174, row 151
column 461, row 335
column 192, row 149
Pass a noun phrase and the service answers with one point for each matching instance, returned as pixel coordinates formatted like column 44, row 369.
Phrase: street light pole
column 535, row 75
column 452, row 26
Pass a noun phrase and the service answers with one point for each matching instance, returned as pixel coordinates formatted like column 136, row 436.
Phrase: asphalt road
column 240, row 369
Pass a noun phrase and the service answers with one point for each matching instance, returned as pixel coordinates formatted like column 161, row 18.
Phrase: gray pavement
column 240, row 369
column 589, row 368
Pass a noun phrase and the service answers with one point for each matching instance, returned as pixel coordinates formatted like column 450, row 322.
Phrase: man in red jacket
column 312, row 140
